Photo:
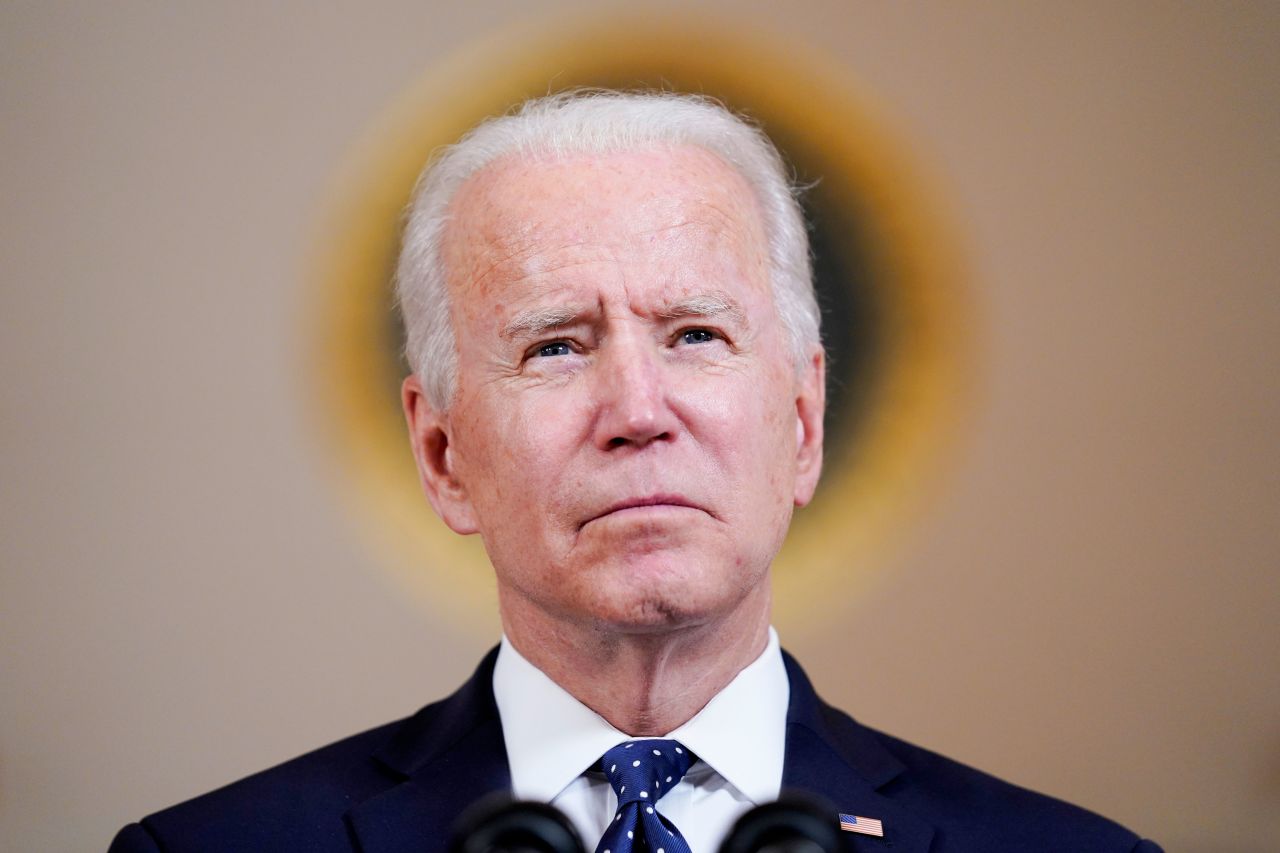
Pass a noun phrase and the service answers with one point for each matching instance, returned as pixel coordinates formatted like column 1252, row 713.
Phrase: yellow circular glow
column 872, row 479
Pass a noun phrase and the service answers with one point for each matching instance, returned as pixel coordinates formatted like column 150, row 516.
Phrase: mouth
column 654, row 502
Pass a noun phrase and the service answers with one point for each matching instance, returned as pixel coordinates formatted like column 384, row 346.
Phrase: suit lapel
column 834, row 759
column 448, row 756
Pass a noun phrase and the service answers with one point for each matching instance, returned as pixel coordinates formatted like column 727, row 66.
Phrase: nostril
column 638, row 441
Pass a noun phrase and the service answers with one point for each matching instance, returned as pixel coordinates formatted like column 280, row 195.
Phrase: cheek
column 485, row 457
column 756, row 418
column 516, row 459
column 758, row 440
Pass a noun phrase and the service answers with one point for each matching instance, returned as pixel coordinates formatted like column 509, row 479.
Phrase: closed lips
column 654, row 501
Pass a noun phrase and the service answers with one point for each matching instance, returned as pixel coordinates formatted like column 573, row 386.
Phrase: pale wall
column 1089, row 606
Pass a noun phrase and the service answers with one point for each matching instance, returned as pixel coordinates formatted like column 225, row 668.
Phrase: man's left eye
column 553, row 349
column 697, row 336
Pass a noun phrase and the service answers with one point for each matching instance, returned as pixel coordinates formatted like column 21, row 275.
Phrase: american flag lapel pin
column 862, row 825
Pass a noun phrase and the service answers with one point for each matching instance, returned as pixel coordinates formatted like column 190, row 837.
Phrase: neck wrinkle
column 645, row 684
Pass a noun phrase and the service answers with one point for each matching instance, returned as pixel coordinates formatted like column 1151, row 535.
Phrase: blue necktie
column 641, row 771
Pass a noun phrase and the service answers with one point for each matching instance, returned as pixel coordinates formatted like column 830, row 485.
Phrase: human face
column 629, row 435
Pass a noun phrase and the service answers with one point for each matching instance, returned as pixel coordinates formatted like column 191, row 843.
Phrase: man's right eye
column 554, row 348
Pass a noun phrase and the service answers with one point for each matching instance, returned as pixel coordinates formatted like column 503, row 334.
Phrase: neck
column 647, row 682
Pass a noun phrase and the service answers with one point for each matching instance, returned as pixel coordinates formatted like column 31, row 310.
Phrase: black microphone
column 793, row 824
column 502, row 825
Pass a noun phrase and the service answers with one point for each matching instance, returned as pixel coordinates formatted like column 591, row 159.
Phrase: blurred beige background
column 1087, row 605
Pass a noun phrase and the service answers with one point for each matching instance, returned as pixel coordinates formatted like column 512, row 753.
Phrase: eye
column 697, row 336
column 553, row 348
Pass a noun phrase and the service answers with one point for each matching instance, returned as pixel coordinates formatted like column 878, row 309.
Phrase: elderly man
column 618, row 383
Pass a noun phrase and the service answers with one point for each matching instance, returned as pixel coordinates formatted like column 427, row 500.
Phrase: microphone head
column 502, row 825
column 792, row 824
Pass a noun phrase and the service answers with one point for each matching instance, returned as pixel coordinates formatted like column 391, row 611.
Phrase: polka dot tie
column 641, row 771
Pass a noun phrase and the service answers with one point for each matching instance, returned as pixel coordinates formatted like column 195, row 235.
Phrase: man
column 618, row 384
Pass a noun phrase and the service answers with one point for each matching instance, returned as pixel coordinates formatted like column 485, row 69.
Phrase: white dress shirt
column 553, row 741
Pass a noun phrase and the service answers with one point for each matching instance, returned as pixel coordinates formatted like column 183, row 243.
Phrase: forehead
column 521, row 217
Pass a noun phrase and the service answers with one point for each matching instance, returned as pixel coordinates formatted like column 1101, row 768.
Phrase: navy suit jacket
column 400, row 787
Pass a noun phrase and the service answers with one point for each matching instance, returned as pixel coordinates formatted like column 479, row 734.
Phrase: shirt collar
column 551, row 737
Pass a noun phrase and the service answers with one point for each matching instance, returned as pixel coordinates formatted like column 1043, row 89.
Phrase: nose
column 633, row 393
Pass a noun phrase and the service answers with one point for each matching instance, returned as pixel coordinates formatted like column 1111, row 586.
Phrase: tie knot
column 642, row 770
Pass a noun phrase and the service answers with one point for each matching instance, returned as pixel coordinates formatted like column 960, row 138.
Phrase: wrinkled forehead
column 521, row 213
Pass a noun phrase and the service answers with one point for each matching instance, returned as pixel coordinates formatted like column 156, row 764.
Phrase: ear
column 431, row 438
column 811, row 404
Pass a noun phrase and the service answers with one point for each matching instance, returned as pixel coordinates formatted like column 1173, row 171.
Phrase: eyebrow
column 538, row 320
column 705, row 305
column 531, row 323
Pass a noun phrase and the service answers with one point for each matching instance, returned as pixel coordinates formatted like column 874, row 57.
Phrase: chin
column 662, row 594
column 643, row 617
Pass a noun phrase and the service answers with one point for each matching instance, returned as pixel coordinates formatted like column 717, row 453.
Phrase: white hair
column 594, row 122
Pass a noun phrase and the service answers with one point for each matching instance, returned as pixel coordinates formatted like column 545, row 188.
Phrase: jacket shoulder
column 296, row 805
column 973, row 810
column 963, row 809
column 303, row 804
